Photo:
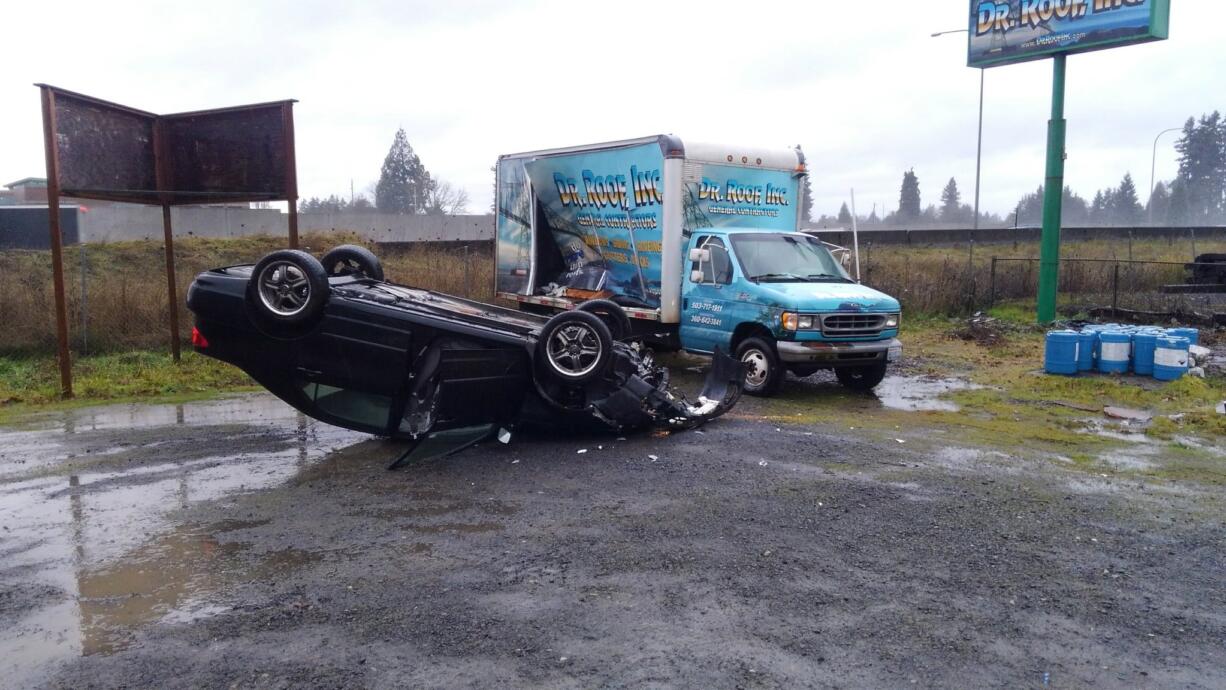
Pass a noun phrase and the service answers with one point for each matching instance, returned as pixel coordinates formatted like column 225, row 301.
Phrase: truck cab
column 780, row 301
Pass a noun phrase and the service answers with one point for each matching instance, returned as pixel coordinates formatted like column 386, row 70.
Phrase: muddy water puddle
column 89, row 553
column 920, row 393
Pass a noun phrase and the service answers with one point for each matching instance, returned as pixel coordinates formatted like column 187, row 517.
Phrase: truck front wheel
column 861, row 378
column 763, row 371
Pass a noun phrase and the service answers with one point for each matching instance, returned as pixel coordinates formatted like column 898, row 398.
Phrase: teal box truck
column 700, row 245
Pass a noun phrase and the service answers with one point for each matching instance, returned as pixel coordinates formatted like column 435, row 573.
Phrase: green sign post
column 1003, row 32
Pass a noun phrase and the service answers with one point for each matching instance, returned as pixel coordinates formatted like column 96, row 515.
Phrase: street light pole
column 1153, row 168
column 979, row 146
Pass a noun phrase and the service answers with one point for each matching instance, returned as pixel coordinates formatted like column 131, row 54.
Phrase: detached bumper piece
column 642, row 396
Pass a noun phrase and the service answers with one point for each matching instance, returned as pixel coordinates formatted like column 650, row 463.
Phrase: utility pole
column 1053, row 196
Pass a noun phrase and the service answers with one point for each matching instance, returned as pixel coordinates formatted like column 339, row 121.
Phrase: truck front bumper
column 839, row 354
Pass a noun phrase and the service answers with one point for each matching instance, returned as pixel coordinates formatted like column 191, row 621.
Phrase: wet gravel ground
column 235, row 543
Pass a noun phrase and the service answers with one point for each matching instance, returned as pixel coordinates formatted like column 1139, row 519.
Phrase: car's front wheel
column 764, row 372
column 574, row 347
column 863, row 378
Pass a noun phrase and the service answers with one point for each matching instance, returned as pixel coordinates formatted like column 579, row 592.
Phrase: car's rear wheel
column 763, row 371
column 350, row 260
column 611, row 314
column 863, row 378
column 287, row 290
column 574, row 347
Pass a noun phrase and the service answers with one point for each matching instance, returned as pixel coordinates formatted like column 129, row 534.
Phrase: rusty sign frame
column 113, row 152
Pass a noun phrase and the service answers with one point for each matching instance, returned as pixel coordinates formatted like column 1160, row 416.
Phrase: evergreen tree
column 1074, row 209
column 844, row 216
column 1202, row 168
column 806, row 200
column 1030, row 208
column 1159, row 204
column 1178, row 209
column 951, row 203
column 404, row 184
column 1126, row 209
column 1102, row 209
column 909, row 206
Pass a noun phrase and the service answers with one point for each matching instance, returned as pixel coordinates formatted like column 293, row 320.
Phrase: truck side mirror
column 696, row 274
column 700, row 255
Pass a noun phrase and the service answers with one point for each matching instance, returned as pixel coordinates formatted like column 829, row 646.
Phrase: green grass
column 33, row 383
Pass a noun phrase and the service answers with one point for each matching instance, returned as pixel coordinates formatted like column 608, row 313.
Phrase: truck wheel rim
column 284, row 288
column 574, row 350
column 756, row 368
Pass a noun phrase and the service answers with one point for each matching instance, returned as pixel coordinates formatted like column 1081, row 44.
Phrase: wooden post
column 291, row 173
column 57, row 240
column 171, row 289
column 164, row 178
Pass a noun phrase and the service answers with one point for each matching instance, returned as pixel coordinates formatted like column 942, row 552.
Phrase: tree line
column 405, row 187
column 1196, row 196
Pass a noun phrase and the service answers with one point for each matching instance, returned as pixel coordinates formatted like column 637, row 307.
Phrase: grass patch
column 27, row 383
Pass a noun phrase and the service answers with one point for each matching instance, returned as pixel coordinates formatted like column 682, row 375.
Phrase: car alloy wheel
column 574, row 350
column 284, row 288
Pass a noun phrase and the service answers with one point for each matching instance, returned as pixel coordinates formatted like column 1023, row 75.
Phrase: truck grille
column 852, row 325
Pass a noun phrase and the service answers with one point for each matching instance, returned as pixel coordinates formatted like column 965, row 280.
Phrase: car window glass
column 363, row 409
column 720, row 268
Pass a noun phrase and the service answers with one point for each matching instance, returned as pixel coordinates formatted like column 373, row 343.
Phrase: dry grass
column 123, row 295
column 958, row 279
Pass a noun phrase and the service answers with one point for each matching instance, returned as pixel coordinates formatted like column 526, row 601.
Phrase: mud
column 237, row 543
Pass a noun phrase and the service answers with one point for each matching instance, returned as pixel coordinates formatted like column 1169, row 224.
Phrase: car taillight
column 198, row 339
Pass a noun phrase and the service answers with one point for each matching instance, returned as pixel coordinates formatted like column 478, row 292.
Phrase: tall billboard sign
column 1004, row 32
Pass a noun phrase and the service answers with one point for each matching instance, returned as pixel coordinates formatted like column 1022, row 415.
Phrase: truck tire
column 286, row 292
column 863, row 378
column 764, row 372
column 574, row 347
column 613, row 316
column 350, row 259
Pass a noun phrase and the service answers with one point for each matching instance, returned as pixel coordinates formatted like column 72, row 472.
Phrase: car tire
column 863, row 378
column 350, row 259
column 611, row 314
column 574, row 347
column 287, row 291
column 763, row 371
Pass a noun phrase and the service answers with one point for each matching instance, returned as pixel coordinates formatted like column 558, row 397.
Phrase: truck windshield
column 772, row 257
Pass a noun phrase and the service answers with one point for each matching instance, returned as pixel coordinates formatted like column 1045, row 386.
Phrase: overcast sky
column 860, row 85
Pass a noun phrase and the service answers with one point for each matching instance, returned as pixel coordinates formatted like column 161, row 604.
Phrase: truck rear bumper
column 839, row 354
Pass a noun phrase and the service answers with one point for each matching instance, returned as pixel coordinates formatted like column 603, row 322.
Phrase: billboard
column 1004, row 32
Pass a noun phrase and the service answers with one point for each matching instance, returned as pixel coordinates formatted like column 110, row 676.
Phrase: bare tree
column 446, row 200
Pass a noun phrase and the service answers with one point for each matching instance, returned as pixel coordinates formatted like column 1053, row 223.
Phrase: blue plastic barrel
column 1114, row 352
column 1060, row 356
column 1192, row 334
column 1170, row 358
column 1085, row 349
column 1143, row 344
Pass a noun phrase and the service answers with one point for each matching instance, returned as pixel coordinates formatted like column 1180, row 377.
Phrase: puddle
column 918, row 394
column 86, row 542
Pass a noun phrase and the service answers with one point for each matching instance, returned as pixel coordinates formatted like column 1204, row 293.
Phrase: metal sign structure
column 1004, row 32
column 97, row 149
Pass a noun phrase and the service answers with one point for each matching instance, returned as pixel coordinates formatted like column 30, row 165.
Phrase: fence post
column 84, row 305
column 992, row 289
column 1115, row 292
column 467, row 287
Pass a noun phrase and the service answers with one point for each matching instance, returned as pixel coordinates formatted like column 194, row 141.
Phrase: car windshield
column 774, row 257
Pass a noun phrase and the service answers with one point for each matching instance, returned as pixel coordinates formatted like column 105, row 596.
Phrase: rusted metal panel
column 105, row 151
column 234, row 154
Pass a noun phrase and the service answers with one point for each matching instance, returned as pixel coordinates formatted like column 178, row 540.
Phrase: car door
column 705, row 303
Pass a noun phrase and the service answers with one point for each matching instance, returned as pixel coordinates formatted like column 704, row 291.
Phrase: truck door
column 706, row 303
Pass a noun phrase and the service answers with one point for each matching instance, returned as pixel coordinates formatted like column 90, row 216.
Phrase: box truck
column 700, row 246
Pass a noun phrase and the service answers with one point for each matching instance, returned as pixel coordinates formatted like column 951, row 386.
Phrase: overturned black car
column 339, row 343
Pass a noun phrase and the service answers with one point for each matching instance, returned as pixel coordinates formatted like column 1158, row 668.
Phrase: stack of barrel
column 1117, row 349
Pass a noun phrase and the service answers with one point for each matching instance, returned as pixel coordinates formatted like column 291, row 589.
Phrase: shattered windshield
column 775, row 257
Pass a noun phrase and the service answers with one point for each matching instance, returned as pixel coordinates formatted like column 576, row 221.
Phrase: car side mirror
column 696, row 274
column 700, row 255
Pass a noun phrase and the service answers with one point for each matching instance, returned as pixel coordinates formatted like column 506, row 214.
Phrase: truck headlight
column 893, row 320
column 804, row 323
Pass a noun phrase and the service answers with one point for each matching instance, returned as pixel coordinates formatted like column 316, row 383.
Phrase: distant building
column 28, row 190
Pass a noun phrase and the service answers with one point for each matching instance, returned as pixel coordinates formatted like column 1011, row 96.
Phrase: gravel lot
column 235, row 542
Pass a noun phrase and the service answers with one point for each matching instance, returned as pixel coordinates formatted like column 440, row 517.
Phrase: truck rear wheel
column 764, row 372
column 863, row 378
